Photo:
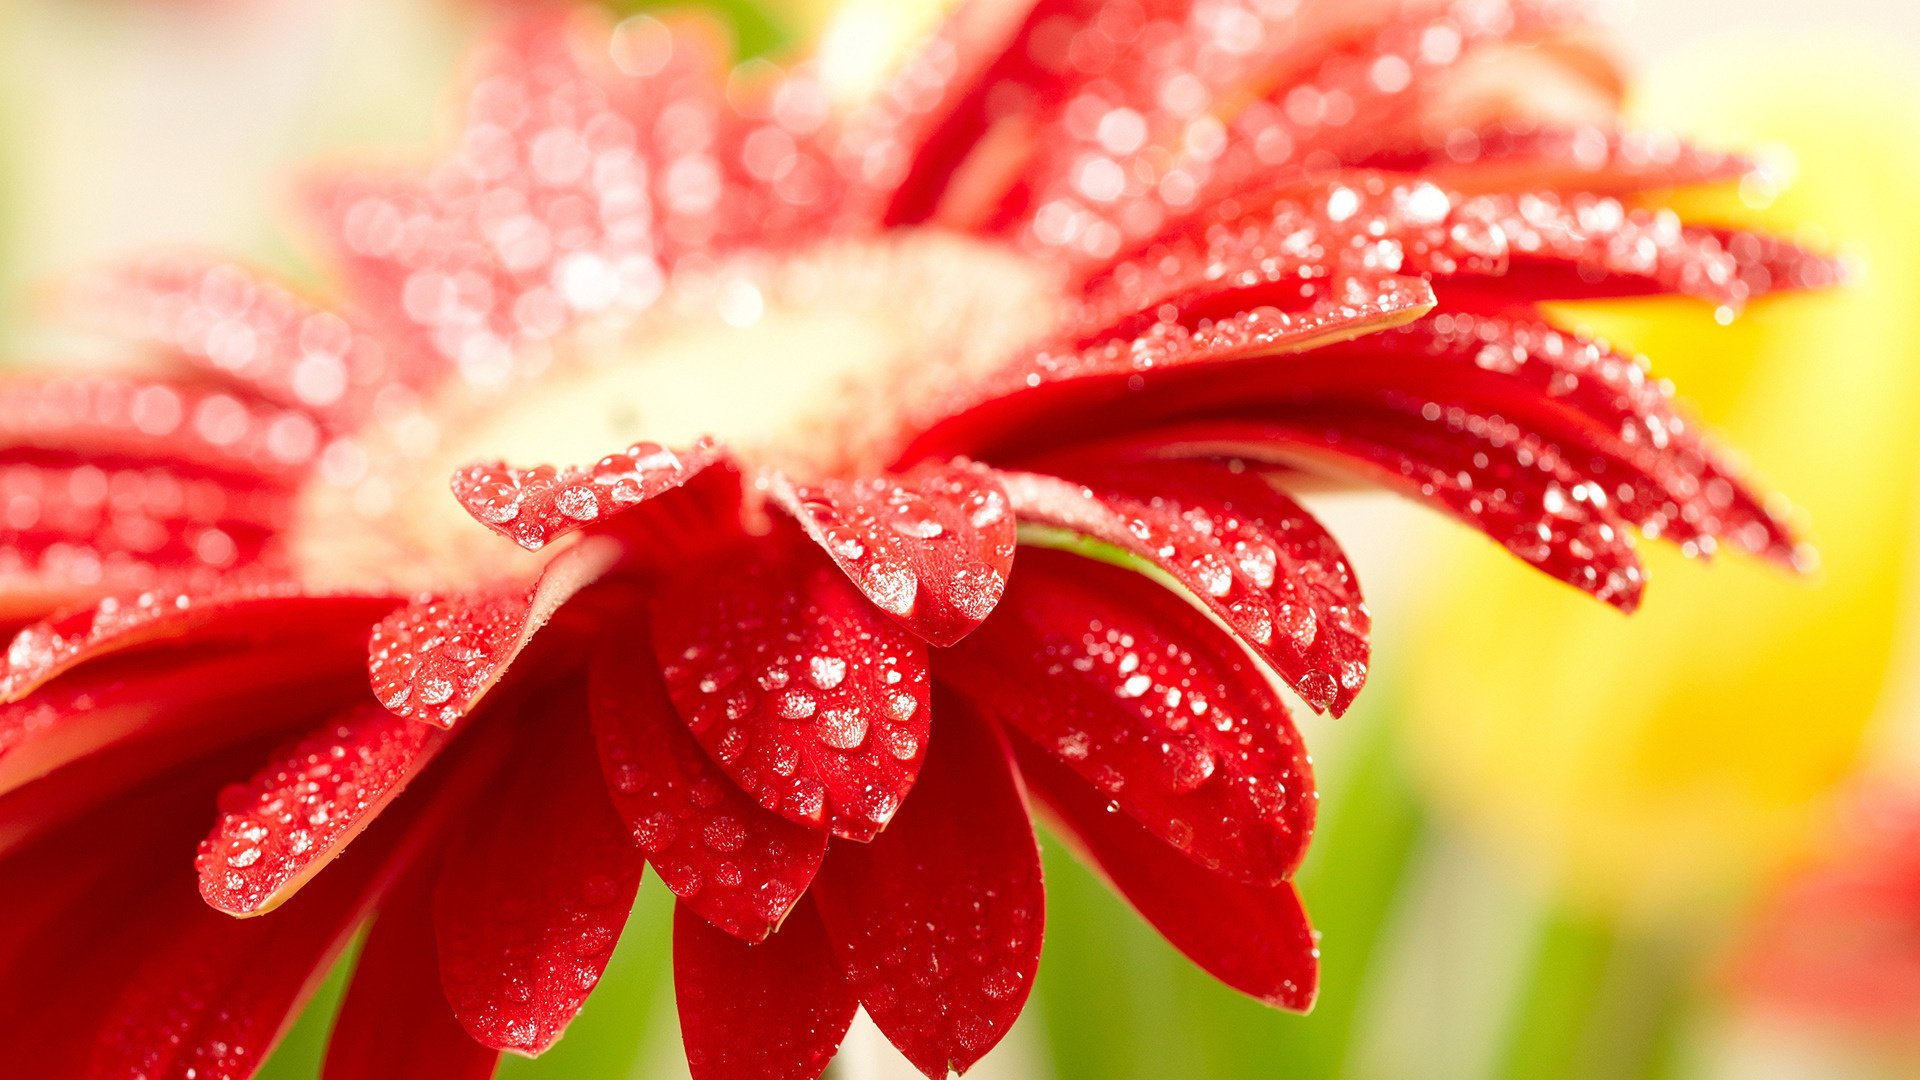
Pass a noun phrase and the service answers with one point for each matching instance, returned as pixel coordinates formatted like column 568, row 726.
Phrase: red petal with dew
column 772, row 1010
column 533, row 507
column 1141, row 695
column 434, row 659
column 727, row 859
column 295, row 815
column 1249, row 553
column 806, row 696
column 224, row 614
column 1549, row 157
column 937, row 923
column 395, row 1021
column 535, row 889
column 204, row 699
column 238, row 324
column 1253, row 938
column 931, row 548
column 1495, row 476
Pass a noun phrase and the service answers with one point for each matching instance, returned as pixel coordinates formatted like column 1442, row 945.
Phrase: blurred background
column 1555, row 842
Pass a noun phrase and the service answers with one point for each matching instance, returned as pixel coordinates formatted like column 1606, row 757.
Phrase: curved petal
column 215, row 697
column 1253, row 938
column 534, row 890
column 735, row 864
column 1144, row 698
column 1493, row 475
column 937, row 923
column 240, row 324
column 772, row 1010
column 1254, row 557
column 931, row 548
column 395, row 1021
column 533, row 507
column 226, row 613
column 434, row 659
column 805, row 695
column 1512, row 156
column 295, row 815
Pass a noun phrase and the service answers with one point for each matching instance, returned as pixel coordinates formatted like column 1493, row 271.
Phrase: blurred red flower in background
column 1091, row 280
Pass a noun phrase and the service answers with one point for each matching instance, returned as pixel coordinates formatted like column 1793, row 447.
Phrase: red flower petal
column 770, row 1010
column 533, row 507
column 811, row 700
column 244, row 326
column 937, row 924
column 209, row 994
column 931, row 548
column 225, row 614
column 396, row 1021
column 1547, row 157
column 1253, row 556
column 1255, row 939
column 1492, row 475
column 434, row 659
column 193, row 700
column 132, row 422
column 535, row 890
column 289, row 821
column 735, row 864
column 1144, row 698
column 1062, row 394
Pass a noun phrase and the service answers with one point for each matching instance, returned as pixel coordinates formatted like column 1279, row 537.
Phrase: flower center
column 814, row 363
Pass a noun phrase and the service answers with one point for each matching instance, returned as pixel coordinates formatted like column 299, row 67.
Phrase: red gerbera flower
column 1093, row 280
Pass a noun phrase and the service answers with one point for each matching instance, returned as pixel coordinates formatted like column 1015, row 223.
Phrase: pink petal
column 434, row 659
column 937, row 923
column 1547, row 157
column 242, row 325
column 805, row 695
column 534, row 890
column 1142, row 696
column 533, row 507
column 395, row 1021
column 296, row 814
column 770, row 1010
column 733, row 863
column 931, row 548
column 1253, row 938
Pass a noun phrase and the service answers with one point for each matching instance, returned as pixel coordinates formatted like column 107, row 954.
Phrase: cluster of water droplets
column 432, row 659
column 303, row 807
column 534, row 506
column 811, row 701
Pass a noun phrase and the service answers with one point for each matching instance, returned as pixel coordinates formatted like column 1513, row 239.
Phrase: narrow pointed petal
column 201, row 700
column 1250, row 554
column 242, row 325
column 1490, row 474
column 931, row 548
column 1558, row 157
column 533, row 507
column 395, row 1021
column 769, row 1010
column 209, row 995
column 434, row 659
column 1255, row 939
column 141, row 421
column 799, row 689
column 937, row 923
column 534, row 890
column 1143, row 697
column 732, row 862
column 295, row 815
column 223, row 614
column 1058, row 394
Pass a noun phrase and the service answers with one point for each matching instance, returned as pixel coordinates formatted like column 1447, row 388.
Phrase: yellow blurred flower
column 1650, row 762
